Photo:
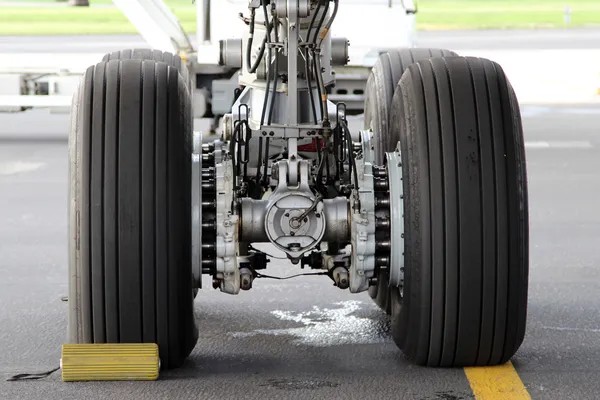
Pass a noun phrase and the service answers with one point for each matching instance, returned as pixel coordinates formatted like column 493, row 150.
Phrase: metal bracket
column 368, row 148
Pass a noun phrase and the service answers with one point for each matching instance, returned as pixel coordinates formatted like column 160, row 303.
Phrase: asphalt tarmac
column 304, row 338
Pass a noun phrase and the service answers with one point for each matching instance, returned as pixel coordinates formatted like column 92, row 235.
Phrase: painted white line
column 12, row 168
column 533, row 111
column 559, row 145
column 537, row 145
column 567, row 329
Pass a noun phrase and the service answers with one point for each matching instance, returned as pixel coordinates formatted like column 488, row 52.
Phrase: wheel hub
column 396, row 195
column 377, row 228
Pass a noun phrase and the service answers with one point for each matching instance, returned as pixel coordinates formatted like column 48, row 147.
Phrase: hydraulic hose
column 261, row 52
column 336, row 5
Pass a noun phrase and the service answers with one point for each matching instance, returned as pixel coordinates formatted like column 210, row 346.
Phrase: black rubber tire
column 156, row 55
column 466, row 214
column 130, row 209
column 381, row 292
column 381, row 84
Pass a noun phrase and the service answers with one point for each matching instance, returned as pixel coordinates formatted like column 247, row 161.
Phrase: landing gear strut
column 426, row 208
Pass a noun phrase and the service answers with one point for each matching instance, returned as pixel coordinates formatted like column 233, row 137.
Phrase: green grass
column 433, row 14
column 63, row 20
column 92, row 2
column 506, row 14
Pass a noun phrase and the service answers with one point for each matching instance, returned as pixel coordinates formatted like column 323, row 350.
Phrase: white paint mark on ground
column 532, row 111
column 328, row 327
column 559, row 145
column 16, row 167
column 567, row 329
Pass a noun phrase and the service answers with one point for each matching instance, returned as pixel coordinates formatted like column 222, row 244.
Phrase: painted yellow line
column 496, row 383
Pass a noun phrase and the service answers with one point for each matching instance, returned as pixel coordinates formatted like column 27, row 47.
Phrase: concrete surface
column 545, row 66
column 304, row 338
column 512, row 39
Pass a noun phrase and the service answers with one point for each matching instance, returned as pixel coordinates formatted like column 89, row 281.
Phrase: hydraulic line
column 261, row 52
column 352, row 160
column 329, row 23
column 324, row 158
column 312, row 22
column 314, row 205
column 321, row 84
column 275, row 82
column 309, row 69
column 309, row 84
column 314, row 41
column 267, row 91
column 316, row 54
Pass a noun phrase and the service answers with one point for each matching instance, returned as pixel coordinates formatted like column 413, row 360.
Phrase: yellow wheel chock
column 110, row 362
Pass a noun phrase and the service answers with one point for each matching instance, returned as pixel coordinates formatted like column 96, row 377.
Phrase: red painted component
column 310, row 147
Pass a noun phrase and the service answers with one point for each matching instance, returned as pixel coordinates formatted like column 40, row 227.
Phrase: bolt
column 246, row 283
column 292, row 234
column 305, row 219
column 287, row 214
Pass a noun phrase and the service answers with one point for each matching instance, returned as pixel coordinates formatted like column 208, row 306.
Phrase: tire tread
column 466, row 263
column 135, row 133
column 381, row 86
